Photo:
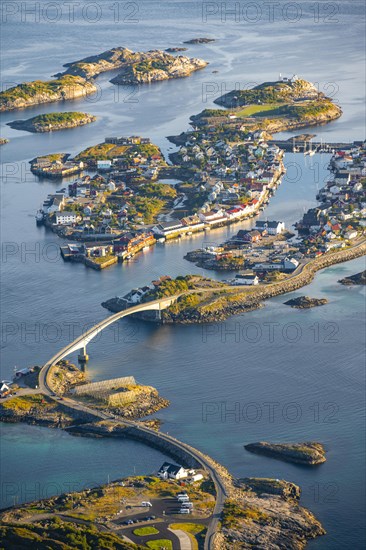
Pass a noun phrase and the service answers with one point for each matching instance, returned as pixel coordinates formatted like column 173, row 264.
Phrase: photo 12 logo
column 270, row 12
column 69, row 11
column 269, row 412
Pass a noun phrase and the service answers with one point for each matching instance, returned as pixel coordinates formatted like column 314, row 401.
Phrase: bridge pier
column 83, row 357
column 158, row 314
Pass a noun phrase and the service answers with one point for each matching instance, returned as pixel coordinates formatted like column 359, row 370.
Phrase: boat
column 189, row 233
column 311, row 151
column 39, row 217
column 146, row 248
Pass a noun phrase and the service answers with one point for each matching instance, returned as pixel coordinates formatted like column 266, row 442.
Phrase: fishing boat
column 311, row 151
column 39, row 217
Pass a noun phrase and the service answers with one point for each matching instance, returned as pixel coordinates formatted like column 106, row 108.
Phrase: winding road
column 207, row 464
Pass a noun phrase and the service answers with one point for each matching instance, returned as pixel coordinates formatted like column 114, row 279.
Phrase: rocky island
column 121, row 396
column 309, row 453
column 358, row 279
column 52, row 122
column 304, row 302
column 38, row 92
column 175, row 50
column 199, row 41
column 137, row 67
column 3, row 141
column 285, row 104
column 157, row 65
column 255, row 509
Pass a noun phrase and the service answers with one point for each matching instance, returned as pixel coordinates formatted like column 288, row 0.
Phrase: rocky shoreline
column 136, row 67
column 52, row 122
column 269, row 486
column 38, row 92
column 156, row 66
column 239, row 301
column 308, row 453
column 248, row 302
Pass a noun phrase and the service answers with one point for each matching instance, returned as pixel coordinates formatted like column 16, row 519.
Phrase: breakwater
column 249, row 299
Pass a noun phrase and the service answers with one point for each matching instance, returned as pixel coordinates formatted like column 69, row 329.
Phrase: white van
column 146, row 504
column 187, row 505
column 184, row 511
column 183, row 499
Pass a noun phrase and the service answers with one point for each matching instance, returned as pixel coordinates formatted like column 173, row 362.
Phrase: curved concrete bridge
column 82, row 341
column 166, row 443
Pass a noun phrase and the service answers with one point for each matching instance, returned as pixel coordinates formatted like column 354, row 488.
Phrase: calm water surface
column 276, row 373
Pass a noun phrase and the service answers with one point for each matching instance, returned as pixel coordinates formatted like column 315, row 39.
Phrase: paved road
column 99, row 415
column 221, row 493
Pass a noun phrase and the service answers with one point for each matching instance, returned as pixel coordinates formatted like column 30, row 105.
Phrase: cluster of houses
column 341, row 215
column 173, row 471
column 56, row 168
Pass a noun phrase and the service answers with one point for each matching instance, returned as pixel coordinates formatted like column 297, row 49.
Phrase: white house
column 246, row 279
column 4, row 389
column 172, row 471
column 104, row 164
column 272, row 227
column 212, row 216
column 351, row 234
column 195, row 477
column 65, row 218
column 163, row 229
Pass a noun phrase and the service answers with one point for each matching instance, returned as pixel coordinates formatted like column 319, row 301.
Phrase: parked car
column 146, row 503
column 184, row 511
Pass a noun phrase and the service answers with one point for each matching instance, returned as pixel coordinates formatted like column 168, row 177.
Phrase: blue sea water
column 276, row 373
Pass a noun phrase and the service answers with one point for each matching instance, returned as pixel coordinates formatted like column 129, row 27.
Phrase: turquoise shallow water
column 276, row 373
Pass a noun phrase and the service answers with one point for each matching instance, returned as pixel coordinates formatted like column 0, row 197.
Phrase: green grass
column 61, row 535
column 27, row 90
column 257, row 109
column 160, row 543
column 233, row 514
column 28, row 402
column 101, row 151
column 143, row 531
column 192, row 528
column 102, row 259
column 57, row 118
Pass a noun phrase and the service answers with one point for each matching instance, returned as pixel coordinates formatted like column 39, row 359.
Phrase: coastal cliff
column 52, row 122
column 38, row 92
